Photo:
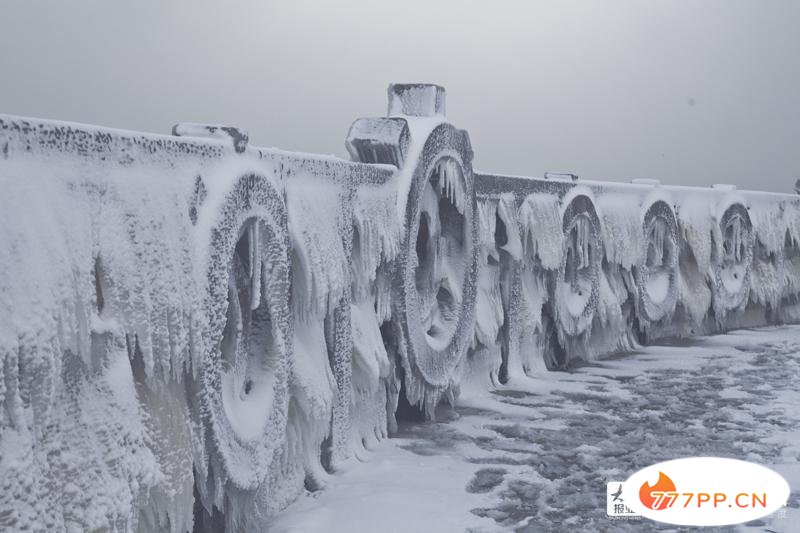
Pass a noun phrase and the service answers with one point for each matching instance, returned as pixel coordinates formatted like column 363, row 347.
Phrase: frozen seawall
column 195, row 329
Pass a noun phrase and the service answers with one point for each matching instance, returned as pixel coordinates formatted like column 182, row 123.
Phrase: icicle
column 487, row 219
column 377, row 232
column 233, row 302
column 541, row 230
column 661, row 230
column 430, row 210
column 579, row 242
column 451, row 183
column 584, row 233
column 656, row 243
column 489, row 306
column 383, row 296
column 255, row 265
column 533, row 295
column 507, row 213
column 322, row 270
column 448, row 273
column 737, row 238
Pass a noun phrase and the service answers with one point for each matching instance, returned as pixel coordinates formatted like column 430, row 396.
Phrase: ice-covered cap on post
column 416, row 99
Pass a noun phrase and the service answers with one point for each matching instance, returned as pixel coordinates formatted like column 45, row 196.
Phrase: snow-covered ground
column 536, row 455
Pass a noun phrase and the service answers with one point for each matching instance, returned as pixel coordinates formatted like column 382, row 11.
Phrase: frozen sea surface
column 536, row 455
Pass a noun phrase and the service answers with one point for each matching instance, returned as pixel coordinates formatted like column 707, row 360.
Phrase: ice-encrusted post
column 416, row 99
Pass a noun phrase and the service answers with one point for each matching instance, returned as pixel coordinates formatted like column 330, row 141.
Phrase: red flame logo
column 664, row 484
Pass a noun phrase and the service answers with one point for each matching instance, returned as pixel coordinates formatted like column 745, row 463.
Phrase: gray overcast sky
column 691, row 92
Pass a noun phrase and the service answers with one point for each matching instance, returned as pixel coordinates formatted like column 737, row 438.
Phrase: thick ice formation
column 102, row 320
column 197, row 330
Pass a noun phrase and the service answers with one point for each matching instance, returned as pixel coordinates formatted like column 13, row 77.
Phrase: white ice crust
column 118, row 408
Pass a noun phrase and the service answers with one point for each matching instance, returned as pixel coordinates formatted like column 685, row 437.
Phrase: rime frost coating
column 196, row 330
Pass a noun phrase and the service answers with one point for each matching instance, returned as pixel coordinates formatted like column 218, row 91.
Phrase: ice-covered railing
column 178, row 324
column 674, row 261
column 196, row 329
